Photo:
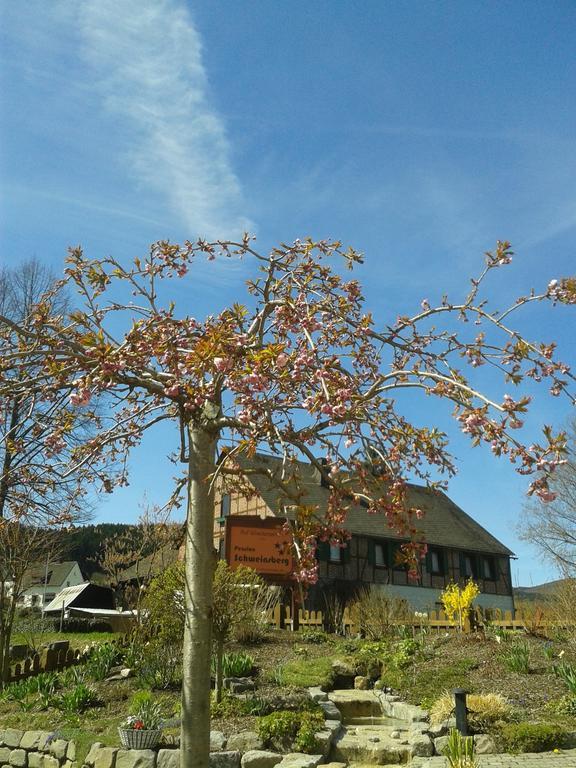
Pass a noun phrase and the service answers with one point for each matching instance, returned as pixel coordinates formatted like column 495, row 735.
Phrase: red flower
column 138, row 725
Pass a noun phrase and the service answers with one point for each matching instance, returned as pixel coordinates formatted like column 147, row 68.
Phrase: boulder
column 135, row 758
column 4, row 755
column 35, row 759
column 18, row 758
column 168, row 758
column 239, row 684
column 101, row 757
column 126, row 672
column 58, row 748
column 343, row 668
column 92, row 753
column 484, row 744
column 323, row 742
column 31, row 740
column 361, row 683
column 440, row 744
column 259, row 758
column 229, row 759
column 331, row 711
column 317, row 694
column 421, row 745
column 333, row 726
column 245, row 741
column 11, row 738
column 50, row 762
column 437, row 730
column 217, row 741
column 300, row 760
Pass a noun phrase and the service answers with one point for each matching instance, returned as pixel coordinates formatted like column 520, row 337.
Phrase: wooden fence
column 54, row 660
column 281, row 617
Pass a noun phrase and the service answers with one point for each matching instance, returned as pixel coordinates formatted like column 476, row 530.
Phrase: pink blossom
column 221, row 364
column 282, row 360
column 80, row 397
column 545, row 494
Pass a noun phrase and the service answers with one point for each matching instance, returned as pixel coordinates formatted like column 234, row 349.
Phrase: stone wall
column 35, row 749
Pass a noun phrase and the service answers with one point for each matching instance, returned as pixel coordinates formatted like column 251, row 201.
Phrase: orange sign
column 259, row 544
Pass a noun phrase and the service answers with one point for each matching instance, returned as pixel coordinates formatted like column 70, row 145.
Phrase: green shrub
column 531, row 737
column 404, row 653
column 77, row 700
column 370, row 657
column 228, row 707
column 45, row 683
column 459, row 751
column 235, row 664
column 160, row 665
column 564, row 706
column 286, row 730
column 517, row 658
column 548, row 651
column 19, row 692
column 567, row 673
column 102, row 659
column 314, row 636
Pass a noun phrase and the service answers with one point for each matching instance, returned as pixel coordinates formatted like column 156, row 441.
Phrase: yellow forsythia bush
column 457, row 600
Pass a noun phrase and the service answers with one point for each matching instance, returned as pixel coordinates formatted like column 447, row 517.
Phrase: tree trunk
column 8, row 455
column 8, row 608
column 199, row 569
column 219, row 654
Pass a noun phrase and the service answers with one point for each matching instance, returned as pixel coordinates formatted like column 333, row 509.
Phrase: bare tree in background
column 36, row 491
column 131, row 558
column 552, row 527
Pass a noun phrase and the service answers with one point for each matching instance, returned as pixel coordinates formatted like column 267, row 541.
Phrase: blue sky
column 418, row 132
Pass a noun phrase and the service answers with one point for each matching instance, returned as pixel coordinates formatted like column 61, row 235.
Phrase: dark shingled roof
column 151, row 565
column 444, row 523
column 57, row 573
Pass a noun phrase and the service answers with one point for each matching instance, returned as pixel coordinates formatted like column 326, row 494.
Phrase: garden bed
column 286, row 664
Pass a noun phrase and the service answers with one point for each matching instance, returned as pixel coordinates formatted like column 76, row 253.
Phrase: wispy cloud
column 146, row 61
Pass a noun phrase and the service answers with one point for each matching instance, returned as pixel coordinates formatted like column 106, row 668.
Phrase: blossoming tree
column 300, row 369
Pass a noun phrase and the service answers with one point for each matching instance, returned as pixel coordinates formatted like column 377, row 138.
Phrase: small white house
column 45, row 580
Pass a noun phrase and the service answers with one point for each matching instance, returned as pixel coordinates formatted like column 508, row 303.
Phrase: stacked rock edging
column 35, row 749
column 413, row 737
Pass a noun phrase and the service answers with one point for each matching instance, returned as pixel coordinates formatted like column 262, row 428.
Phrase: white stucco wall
column 426, row 599
column 34, row 596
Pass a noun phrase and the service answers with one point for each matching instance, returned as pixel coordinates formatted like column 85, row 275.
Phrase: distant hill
column 84, row 544
column 539, row 593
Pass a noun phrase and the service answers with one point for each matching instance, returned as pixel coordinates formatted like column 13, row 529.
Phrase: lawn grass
column 306, row 673
column 76, row 639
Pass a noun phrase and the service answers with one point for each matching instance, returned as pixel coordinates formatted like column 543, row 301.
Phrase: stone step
column 366, row 745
